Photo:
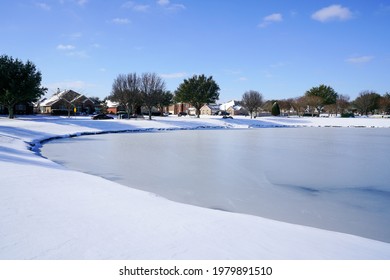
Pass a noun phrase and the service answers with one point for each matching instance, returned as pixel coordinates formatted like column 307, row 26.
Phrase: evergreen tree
column 152, row 89
column 325, row 96
column 19, row 82
column 198, row 91
column 252, row 101
column 275, row 110
column 126, row 91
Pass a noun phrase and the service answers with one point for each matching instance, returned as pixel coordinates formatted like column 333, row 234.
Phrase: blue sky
column 279, row 48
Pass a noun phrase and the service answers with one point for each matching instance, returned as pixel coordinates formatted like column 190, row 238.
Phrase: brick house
column 175, row 109
column 65, row 102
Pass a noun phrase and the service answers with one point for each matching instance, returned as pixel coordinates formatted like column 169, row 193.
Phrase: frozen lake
column 330, row 178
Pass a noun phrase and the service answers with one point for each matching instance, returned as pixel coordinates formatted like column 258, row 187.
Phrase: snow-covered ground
column 50, row 212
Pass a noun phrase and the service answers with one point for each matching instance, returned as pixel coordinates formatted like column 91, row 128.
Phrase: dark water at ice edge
column 331, row 178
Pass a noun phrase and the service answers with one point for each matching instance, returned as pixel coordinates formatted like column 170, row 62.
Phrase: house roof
column 69, row 96
column 212, row 106
column 229, row 104
column 111, row 104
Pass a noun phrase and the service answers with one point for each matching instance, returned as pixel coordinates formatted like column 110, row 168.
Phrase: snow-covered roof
column 110, row 103
column 61, row 95
column 213, row 106
column 228, row 104
column 49, row 101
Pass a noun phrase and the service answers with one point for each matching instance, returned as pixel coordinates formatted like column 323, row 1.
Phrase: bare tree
column 252, row 101
column 297, row 104
column 342, row 103
column 285, row 105
column 314, row 102
column 152, row 88
column 367, row 101
column 134, row 98
column 384, row 103
column 126, row 91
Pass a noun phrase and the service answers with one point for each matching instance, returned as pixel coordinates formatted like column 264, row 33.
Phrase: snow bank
column 50, row 212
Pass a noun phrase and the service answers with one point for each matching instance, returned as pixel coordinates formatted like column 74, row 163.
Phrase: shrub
column 275, row 110
column 348, row 115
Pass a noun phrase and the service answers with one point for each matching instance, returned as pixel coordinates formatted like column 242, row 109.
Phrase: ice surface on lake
column 331, row 178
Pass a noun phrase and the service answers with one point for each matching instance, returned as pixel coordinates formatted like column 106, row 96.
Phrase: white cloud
column 333, row 12
column 79, row 54
column 70, row 50
column 75, row 36
column 170, row 6
column 141, row 8
column 136, row 7
column 278, row 65
column 65, row 47
column 78, row 2
column 359, row 59
column 128, row 5
column 43, row 6
column 176, row 7
column 232, row 71
column 81, row 2
column 174, row 75
column 276, row 17
column 120, row 21
column 384, row 8
column 163, row 2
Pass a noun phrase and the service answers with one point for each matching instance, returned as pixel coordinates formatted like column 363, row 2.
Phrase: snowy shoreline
column 50, row 212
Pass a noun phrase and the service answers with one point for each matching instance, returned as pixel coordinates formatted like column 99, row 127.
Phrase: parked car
column 121, row 115
column 222, row 113
column 227, row 117
column 101, row 117
column 182, row 114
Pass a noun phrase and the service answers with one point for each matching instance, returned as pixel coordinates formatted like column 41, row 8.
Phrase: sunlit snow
column 50, row 212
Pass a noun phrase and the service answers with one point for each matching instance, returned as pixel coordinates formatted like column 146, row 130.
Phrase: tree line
column 132, row 91
column 200, row 90
column 21, row 82
column 323, row 99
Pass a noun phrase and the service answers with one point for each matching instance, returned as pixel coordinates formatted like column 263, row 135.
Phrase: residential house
column 177, row 108
column 65, row 102
column 237, row 110
column 113, row 107
column 234, row 108
column 209, row 109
